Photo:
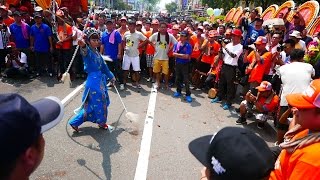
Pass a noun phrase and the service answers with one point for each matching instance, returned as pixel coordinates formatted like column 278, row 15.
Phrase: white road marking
column 143, row 159
column 74, row 92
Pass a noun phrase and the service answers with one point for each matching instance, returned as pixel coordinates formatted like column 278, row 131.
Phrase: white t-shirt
column 79, row 33
column 162, row 48
column 132, row 41
column 237, row 49
column 295, row 78
column 23, row 59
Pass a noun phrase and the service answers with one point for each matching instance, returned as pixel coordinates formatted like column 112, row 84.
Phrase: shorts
column 203, row 67
column 161, row 66
column 127, row 61
column 149, row 59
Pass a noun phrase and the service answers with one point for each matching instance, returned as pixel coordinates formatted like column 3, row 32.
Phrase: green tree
column 171, row 7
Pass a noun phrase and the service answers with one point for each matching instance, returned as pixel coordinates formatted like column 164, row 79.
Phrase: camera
column 246, row 47
column 223, row 39
column 280, row 48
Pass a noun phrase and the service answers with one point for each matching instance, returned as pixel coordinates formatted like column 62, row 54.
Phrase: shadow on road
column 107, row 144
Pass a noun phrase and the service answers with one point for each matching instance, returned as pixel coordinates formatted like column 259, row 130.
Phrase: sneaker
column 121, row 87
column 149, row 79
column 139, row 86
column 260, row 125
column 50, row 74
column 226, row 107
column 215, row 100
column 176, row 94
column 241, row 120
column 188, row 99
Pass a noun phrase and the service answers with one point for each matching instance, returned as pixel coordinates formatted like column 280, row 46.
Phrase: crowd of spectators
column 268, row 63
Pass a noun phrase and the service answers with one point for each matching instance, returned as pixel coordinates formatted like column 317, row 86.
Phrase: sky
column 163, row 3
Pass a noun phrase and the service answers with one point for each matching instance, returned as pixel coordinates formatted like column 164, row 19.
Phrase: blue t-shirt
column 41, row 36
column 182, row 49
column 111, row 50
column 16, row 32
column 253, row 34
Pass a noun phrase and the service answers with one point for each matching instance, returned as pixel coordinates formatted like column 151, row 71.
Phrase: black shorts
column 203, row 67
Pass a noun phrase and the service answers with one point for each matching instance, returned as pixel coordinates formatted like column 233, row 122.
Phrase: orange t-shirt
column 121, row 31
column 215, row 47
column 303, row 163
column 63, row 35
column 150, row 49
column 193, row 40
column 260, row 68
column 8, row 21
column 196, row 49
column 269, row 106
column 170, row 53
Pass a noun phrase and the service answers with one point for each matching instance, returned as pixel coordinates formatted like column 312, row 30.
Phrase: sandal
column 75, row 128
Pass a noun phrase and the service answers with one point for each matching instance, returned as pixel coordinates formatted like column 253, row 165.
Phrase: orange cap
column 309, row 99
column 261, row 40
column 264, row 86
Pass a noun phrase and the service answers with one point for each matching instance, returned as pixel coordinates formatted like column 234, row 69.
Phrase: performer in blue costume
column 95, row 100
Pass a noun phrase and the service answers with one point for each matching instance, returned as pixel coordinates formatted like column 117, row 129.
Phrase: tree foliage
column 171, row 7
column 120, row 5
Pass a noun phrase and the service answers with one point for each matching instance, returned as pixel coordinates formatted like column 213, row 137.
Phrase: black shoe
column 249, row 114
column 241, row 120
column 260, row 125
column 237, row 110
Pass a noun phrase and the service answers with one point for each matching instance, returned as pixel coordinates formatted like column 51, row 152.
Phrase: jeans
column 182, row 76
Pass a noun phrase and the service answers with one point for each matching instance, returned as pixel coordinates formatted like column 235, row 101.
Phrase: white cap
column 38, row 8
column 205, row 23
column 295, row 34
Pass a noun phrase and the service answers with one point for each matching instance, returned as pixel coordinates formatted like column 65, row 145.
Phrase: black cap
column 184, row 33
column 109, row 20
column 132, row 21
column 37, row 14
column 21, row 122
column 16, row 13
column 234, row 152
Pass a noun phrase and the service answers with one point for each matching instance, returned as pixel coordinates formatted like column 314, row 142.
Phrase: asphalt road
column 97, row 154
